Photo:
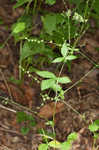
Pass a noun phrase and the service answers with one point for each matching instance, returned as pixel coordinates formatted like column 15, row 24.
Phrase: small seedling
column 94, row 128
column 28, row 121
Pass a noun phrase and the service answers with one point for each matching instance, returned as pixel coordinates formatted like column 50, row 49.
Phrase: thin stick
column 72, row 108
column 8, row 109
column 6, row 84
column 11, row 131
column 79, row 80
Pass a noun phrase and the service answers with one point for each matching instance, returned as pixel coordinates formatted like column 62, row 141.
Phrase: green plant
column 56, row 144
column 49, row 140
column 52, row 81
column 95, row 12
column 15, row 81
column 64, row 28
column 50, row 2
column 1, row 21
column 56, row 43
column 67, row 54
column 27, row 120
column 94, row 128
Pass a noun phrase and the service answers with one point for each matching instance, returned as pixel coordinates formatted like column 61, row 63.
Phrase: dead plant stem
column 80, row 80
column 6, row 84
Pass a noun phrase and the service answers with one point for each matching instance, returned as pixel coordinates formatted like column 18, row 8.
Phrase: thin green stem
column 46, row 136
column 20, row 62
column 34, row 8
column 28, row 5
column 5, row 42
column 84, row 26
column 69, row 29
column 81, row 33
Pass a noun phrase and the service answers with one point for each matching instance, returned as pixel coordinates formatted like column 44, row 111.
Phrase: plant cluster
column 55, row 44
column 57, row 40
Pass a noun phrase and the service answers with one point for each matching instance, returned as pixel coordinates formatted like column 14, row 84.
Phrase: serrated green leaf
column 30, row 117
column 43, row 147
column 64, row 50
column 27, row 19
column 50, row 2
column 46, row 74
column 54, row 144
column 96, row 135
column 66, row 145
column 21, row 116
column 57, row 60
column 18, row 27
column 96, row 122
column 60, row 18
column 32, row 123
column 71, row 57
column 26, row 50
column 31, row 48
column 78, row 18
column 49, row 22
column 46, row 84
column 71, row 137
column 63, row 80
column 24, row 130
column 20, row 3
column 96, row 6
column 94, row 126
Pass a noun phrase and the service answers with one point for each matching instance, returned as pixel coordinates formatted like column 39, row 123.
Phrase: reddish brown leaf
column 48, row 110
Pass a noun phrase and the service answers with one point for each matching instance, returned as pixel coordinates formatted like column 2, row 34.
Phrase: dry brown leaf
column 29, row 95
column 48, row 110
column 23, row 95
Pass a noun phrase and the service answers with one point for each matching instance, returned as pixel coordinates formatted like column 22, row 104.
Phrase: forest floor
column 83, row 98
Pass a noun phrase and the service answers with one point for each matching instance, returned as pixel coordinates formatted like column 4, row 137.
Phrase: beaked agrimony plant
column 67, row 54
column 51, row 81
